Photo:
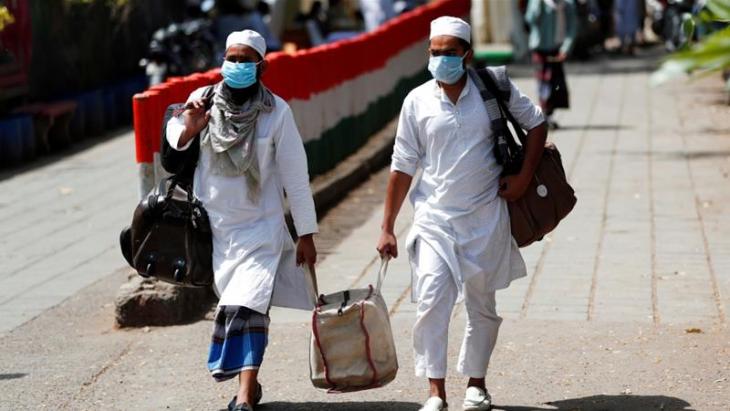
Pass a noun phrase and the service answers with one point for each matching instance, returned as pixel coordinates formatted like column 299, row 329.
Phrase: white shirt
column 254, row 257
column 457, row 209
column 376, row 12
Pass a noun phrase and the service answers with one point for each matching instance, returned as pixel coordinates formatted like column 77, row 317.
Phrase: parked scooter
column 667, row 18
column 180, row 49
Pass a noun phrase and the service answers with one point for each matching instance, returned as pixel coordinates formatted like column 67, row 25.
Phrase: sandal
column 259, row 394
column 232, row 406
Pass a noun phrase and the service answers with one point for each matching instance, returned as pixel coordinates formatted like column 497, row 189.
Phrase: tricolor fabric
column 340, row 93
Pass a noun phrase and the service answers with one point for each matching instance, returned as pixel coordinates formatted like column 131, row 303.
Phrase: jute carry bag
column 549, row 197
column 352, row 345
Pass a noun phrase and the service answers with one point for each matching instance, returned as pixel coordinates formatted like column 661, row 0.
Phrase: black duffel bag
column 170, row 237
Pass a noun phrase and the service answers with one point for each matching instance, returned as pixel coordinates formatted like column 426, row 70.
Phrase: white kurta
column 457, row 209
column 254, row 257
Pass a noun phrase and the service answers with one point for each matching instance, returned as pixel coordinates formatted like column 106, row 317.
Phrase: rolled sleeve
column 291, row 163
column 175, row 126
column 527, row 113
column 173, row 131
column 407, row 150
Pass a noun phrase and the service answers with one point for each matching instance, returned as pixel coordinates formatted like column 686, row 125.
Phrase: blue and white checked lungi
column 239, row 340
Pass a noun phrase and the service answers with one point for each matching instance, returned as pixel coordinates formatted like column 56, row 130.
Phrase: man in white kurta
column 460, row 244
column 251, row 153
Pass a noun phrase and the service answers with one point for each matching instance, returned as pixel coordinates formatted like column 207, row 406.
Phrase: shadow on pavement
column 609, row 403
column 12, row 376
column 675, row 155
column 719, row 131
column 337, row 406
column 596, row 127
column 592, row 403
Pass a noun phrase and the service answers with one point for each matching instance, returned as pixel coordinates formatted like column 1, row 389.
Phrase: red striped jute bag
column 352, row 346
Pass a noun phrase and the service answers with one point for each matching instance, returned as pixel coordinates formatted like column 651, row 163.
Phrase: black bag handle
column 170, row 190
column 207, row 97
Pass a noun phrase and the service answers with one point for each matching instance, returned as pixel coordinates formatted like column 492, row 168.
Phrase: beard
column 241, row 95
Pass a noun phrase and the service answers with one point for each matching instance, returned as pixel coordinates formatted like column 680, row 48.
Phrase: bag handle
column 382, row 272
column 169, row 191
column 313, row 283
column 207, row 98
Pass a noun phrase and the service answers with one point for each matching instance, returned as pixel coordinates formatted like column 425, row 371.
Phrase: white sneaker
column 434, row 404
column 477, row 399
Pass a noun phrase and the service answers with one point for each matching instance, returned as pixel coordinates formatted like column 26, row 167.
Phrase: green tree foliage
column 6, row 18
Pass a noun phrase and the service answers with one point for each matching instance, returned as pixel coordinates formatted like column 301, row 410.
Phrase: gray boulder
column 147, row 302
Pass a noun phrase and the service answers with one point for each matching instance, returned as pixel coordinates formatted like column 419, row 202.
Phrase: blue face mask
column 446, row 69
column 239, row 75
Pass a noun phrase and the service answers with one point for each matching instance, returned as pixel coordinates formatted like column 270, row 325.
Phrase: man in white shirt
column 460, row 244
column 250, row 153
column 376, row 12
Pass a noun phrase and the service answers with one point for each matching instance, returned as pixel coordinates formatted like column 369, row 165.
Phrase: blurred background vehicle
column 180, row 49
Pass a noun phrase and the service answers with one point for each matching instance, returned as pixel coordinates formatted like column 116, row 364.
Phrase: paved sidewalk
column 59, row 226
column 624, row 308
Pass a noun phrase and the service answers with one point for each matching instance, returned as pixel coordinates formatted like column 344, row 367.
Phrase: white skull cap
column 450, row 26
column 247, row 38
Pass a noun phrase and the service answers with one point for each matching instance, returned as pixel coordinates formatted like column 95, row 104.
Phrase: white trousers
column 437, row 294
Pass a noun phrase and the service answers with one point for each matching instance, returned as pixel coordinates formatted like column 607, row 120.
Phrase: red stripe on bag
column 367, row 339
column 315, row 331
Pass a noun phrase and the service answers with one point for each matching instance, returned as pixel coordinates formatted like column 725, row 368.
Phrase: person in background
column 641, row 38
column 321, row 28
column 376, row 12
column 402, row 6
column 605, row 17
column 341, row 16
column 552, row 32
column 316, row 24
column 236, row 15
column 250, row 153
column 628, row 18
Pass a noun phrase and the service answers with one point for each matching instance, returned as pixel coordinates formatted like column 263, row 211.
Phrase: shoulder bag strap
column 489, row 96
column 489, row 84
